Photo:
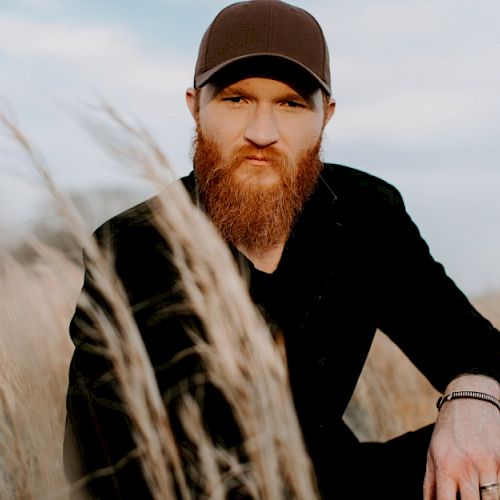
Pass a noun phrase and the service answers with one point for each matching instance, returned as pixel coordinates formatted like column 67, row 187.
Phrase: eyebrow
column 295, row 96
column 231, row 90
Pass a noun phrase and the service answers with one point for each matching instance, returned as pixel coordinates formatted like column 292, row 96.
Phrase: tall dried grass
column 37, row 302
column 121, row 343
column 241, row 357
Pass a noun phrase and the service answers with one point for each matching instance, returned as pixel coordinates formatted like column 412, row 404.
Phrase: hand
column 464, row 452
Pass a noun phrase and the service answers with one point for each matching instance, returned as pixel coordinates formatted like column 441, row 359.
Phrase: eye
column 293, row 104
column 237, row 99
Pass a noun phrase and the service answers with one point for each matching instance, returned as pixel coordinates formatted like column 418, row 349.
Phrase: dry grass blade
column 124, row 345
column 14, row 458
column 37, row 302
column 208, row 476
column 237, row 335
column 241, row 357
column 35, row 308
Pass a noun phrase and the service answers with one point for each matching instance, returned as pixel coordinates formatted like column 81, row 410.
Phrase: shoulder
column 139, row 250
column 136, row 222
column 358, row 198
column 351, row 184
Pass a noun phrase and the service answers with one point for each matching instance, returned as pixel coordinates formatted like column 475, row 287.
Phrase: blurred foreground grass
column 38, row 295
column 36, row 303
column 37, row 300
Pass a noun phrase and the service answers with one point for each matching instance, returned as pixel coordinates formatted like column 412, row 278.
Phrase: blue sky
column 416, row 85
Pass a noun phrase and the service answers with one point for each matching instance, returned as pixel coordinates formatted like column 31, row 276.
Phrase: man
column 331, row 255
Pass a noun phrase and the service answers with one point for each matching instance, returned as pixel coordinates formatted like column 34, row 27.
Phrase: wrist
column 480, row 396
column 473, row 382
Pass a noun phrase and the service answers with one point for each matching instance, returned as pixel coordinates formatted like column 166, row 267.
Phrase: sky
column 416, row 86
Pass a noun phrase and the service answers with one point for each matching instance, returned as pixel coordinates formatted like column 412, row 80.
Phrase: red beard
column 247, row 215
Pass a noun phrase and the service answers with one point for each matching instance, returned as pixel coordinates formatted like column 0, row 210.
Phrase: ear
column 191, row 101
column 330, row 111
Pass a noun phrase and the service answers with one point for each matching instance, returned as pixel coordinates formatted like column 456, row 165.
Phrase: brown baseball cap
column 264, row 29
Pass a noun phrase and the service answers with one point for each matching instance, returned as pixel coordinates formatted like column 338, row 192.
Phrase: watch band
column 470, row 395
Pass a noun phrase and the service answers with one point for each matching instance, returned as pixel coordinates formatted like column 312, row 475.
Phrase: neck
column 264, row 259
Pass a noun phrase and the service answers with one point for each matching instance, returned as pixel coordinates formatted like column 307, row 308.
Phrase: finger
column 490, row 491
column 446, row 488
column 489, row 488
column 430, row 480
column 469, row 489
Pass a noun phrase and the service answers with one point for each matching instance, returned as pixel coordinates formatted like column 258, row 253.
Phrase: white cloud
column 102, row 51
column 38, row 4
column 26, row 37
column 75, row 62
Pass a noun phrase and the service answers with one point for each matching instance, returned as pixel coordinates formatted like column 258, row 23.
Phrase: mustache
column 269, row 153
column 232, row 160
column 276, row 160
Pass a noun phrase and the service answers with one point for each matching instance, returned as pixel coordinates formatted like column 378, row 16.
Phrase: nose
column 262, row 129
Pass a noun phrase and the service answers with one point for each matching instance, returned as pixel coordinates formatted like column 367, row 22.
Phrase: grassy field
column 36, row 303
column 38, row 298
column 237, row 349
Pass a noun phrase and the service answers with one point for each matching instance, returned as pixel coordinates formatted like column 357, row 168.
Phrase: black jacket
column 354, row 262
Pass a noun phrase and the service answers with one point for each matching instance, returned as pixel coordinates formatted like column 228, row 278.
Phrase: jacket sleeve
column 98, row 443
column 423, row 310
column 98, row 429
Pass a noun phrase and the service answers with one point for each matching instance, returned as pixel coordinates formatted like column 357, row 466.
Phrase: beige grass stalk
column 208, row 476
column 35, row 307
column 35, row 304
column 15, row 462
column 241, row 357
column 124, row 346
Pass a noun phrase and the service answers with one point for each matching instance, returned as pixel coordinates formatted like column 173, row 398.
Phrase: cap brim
column 203, row 78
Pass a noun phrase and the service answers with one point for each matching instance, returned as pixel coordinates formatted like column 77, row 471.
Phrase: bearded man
column 331, row 255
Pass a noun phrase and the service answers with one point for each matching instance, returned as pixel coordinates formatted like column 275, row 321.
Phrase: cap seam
column 210, row 31
column 270, row 20
column 324, row 76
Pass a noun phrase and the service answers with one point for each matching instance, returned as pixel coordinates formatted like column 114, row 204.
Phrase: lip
column 260, row 160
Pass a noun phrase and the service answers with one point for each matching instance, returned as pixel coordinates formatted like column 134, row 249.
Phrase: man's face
column 257, row 155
